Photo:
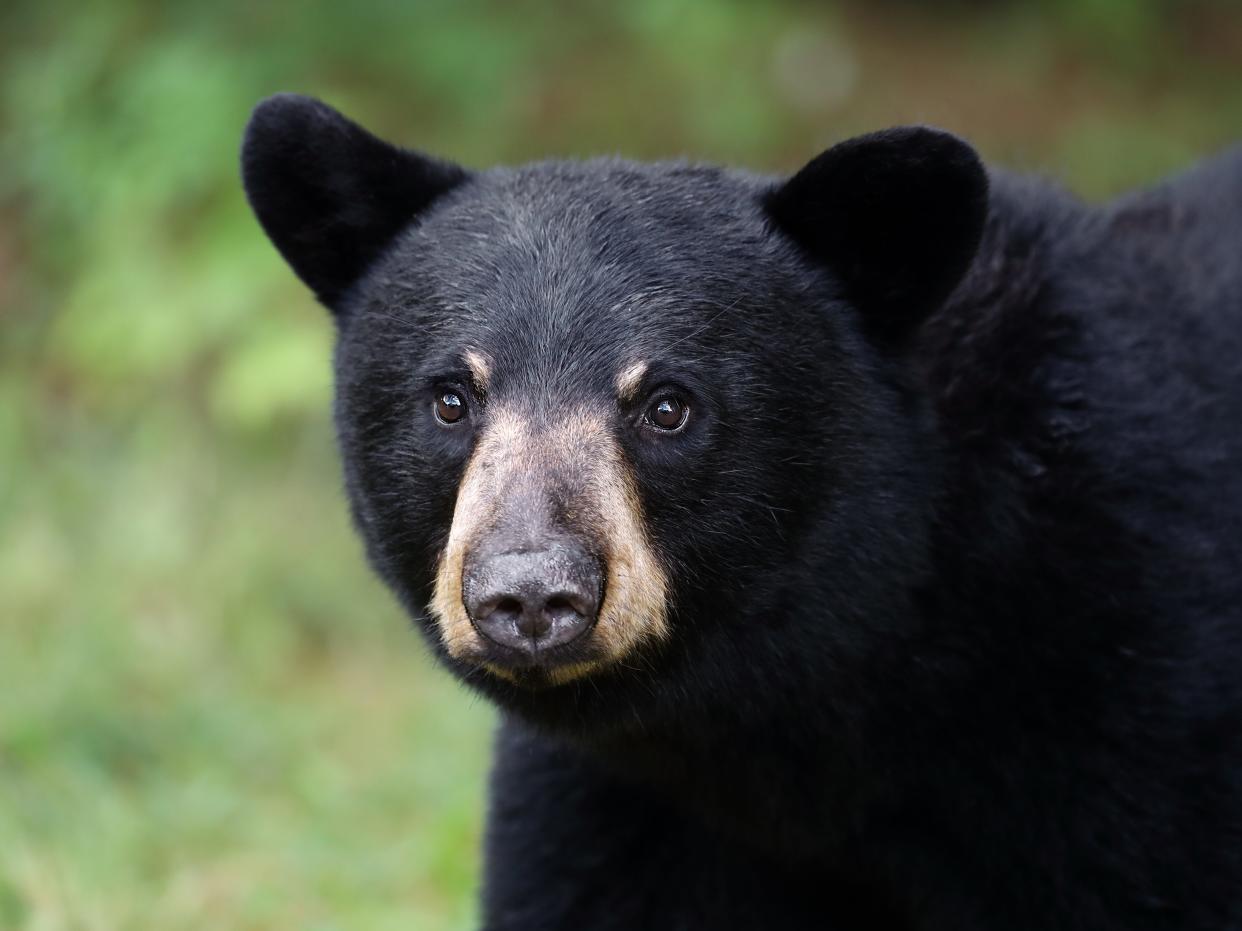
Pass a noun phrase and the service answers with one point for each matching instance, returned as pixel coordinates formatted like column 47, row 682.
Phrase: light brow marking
column 630, row 380
column 480, row 368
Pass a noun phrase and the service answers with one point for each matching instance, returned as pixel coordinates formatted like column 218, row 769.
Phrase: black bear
column 854, row 550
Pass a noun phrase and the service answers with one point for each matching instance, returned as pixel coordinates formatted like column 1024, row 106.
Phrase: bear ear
column 896, row 215
column 329, row 194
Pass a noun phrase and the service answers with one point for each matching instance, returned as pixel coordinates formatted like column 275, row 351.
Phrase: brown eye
column 450, row 407
column 667, row 413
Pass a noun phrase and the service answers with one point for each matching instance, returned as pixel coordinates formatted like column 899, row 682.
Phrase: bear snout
column 532, row 601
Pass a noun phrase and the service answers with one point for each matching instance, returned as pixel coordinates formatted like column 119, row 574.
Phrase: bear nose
column 533, row 601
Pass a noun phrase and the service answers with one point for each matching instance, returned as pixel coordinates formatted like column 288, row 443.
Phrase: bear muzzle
column 548, row 574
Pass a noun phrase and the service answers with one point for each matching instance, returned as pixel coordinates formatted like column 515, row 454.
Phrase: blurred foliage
column 211, row 716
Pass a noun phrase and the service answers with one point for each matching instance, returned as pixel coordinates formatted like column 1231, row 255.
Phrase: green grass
column 211, row 715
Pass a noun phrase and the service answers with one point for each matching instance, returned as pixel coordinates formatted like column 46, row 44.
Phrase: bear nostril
column 504, row 609
column 565, row 606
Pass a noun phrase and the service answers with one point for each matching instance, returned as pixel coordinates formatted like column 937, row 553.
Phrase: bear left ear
column 896, row 215
column 329, row 194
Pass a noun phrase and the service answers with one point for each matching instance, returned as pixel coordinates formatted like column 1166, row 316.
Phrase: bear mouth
column 539, row 669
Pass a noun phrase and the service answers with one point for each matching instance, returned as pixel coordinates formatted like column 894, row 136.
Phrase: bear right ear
column 329, row 194
column 896, row 215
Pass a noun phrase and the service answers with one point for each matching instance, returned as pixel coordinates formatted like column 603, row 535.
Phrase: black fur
column 913, row 195
column 957, row 616
column 328, row 193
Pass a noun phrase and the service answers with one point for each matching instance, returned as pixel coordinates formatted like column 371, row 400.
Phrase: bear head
column 614, row 431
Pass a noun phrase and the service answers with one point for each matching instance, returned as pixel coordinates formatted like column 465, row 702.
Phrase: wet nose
column 533, row 601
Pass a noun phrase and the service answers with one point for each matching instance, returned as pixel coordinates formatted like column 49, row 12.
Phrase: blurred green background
column 211, row 716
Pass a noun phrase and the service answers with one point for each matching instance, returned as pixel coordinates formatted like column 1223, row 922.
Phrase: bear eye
column 450, row 406
column 667, row 413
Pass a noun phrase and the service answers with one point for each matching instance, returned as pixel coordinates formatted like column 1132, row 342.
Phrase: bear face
column 591, row 413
